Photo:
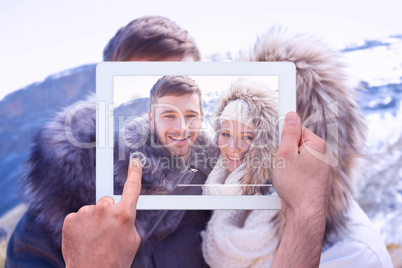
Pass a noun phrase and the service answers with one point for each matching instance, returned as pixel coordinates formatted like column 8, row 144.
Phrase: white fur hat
column 237, row 110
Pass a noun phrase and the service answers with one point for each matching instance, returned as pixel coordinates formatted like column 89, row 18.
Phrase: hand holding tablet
column 160, row 136
column 305, row 209
column 296, row 142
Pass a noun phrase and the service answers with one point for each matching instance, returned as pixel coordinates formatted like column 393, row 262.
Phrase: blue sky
column 39, row 38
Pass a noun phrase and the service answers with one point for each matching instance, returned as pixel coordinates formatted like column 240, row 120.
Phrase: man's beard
column 171, row 148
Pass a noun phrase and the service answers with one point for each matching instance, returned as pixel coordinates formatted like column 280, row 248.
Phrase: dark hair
column 174, row 86
column 151, row 37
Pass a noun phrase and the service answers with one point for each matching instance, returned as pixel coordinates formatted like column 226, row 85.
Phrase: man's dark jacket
column 60, row 179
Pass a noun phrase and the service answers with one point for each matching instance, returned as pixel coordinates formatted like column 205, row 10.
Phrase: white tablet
column 176, row 136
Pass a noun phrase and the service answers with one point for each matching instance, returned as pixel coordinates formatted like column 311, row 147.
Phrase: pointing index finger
column 132, row 187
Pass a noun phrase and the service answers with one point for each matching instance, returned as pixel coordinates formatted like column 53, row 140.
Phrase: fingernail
column 135, row 162
column 291, row 118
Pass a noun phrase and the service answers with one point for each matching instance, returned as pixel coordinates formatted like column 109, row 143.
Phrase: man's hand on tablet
column 104, row 235
column 303, row 187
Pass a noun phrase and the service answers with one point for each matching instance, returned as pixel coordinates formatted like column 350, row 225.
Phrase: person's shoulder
column 30, row 245
column 360, row 244
column 353, row 253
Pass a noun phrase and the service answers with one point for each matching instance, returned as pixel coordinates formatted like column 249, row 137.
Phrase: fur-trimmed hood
column 321, row 80
column 59, row 176
column 263, row 103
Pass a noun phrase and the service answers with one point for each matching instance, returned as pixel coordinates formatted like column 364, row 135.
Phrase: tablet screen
column 205, row 134
column 182, row 135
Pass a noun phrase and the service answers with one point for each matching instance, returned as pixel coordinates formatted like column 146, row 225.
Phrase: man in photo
column 169, row 138
column 174, row 153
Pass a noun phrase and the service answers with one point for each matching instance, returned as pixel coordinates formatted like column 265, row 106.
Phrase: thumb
column 291, row 134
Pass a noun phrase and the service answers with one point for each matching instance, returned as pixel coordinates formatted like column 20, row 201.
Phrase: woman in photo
column 247, row 137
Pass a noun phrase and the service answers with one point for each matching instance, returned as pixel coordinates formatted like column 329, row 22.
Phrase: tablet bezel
column 105, row 73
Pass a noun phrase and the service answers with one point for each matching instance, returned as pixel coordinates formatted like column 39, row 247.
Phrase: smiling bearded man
column 174, row 119
column 174, row 153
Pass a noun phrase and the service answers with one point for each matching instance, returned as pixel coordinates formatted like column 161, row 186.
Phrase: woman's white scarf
column 236, row 238
column 218, row 184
